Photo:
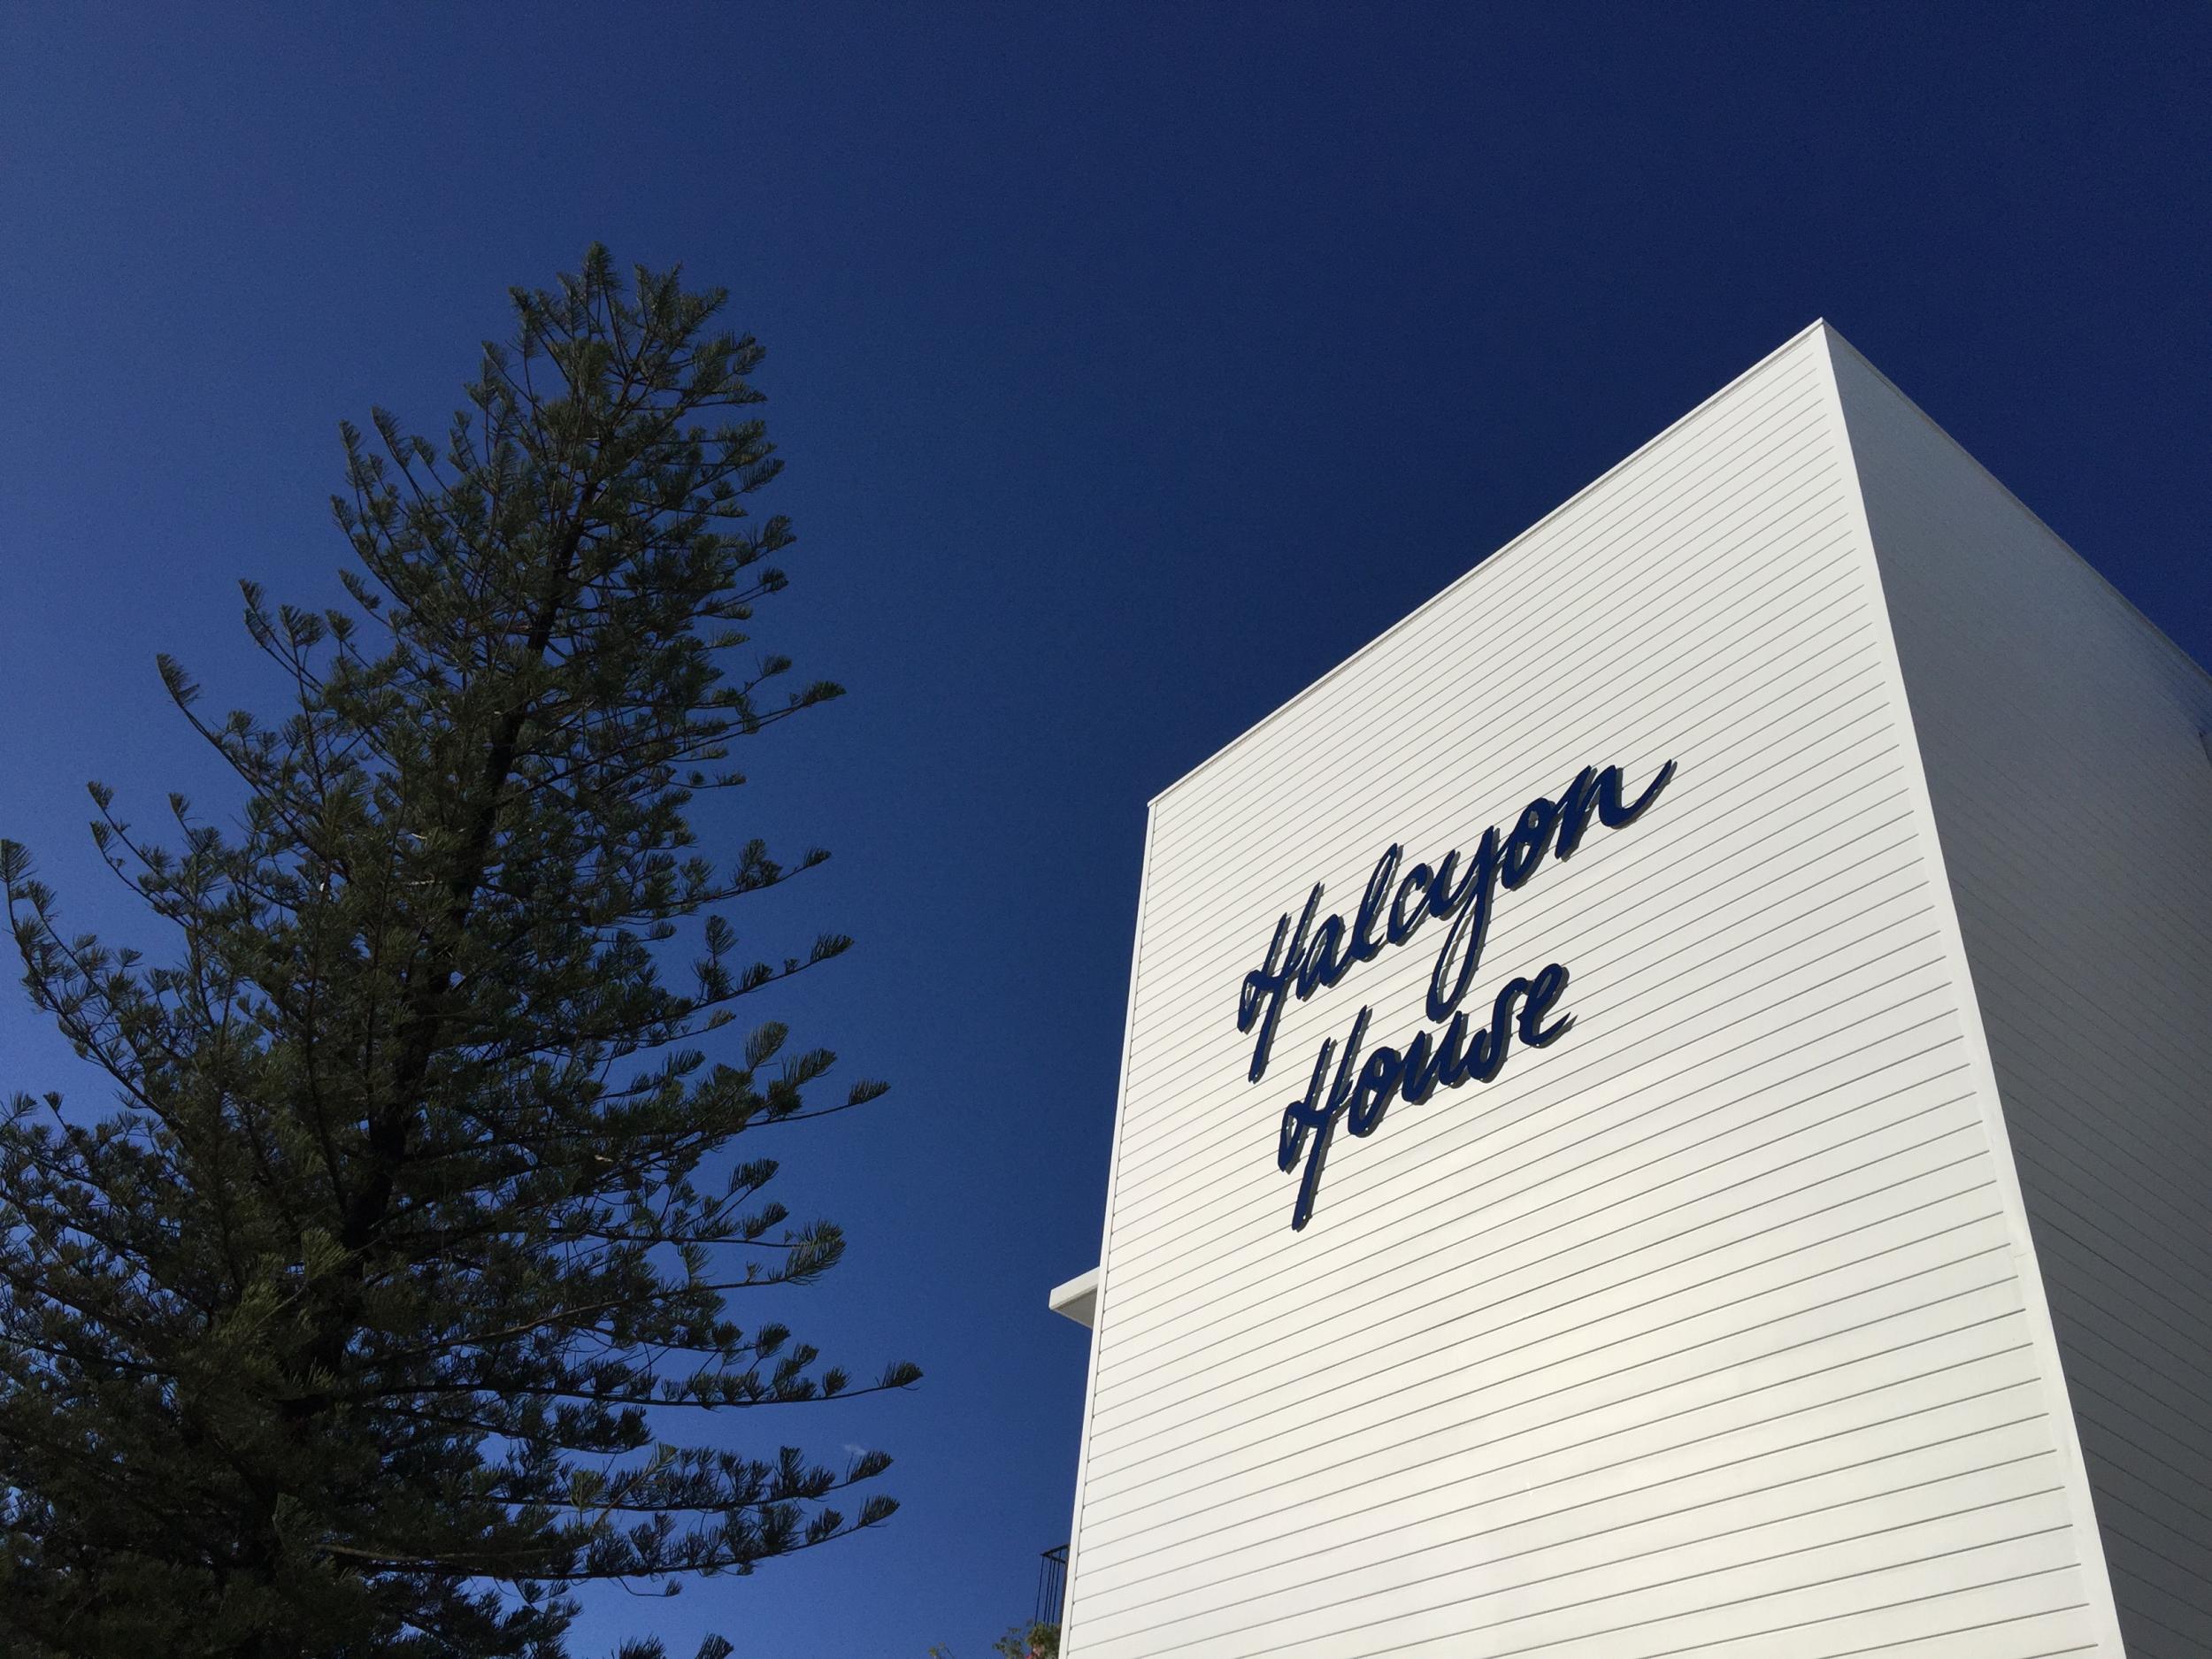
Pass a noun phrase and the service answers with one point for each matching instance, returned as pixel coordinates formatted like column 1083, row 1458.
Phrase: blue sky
column 1133, row 364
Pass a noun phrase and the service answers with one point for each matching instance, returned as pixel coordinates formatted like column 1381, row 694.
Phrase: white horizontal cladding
column 2062, row 735
column 1700, row 1327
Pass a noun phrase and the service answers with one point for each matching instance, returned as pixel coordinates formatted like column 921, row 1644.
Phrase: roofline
column 1491, row 558
column 1836, row 339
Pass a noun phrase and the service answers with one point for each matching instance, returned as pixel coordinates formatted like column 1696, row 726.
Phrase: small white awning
column 1077, row 1299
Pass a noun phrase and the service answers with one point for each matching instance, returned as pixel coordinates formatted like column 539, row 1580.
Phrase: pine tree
column 360, row 1325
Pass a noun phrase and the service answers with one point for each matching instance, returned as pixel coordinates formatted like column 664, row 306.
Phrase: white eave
column 1077, row 1299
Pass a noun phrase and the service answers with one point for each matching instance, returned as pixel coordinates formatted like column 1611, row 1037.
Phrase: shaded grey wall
column 2060, row 736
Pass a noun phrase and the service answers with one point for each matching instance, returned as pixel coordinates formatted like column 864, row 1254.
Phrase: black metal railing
column 1052, row 1585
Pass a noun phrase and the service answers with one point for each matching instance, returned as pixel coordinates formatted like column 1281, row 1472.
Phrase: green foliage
column 359, row 1328
column 1033, row 1641
column 1036, row 1641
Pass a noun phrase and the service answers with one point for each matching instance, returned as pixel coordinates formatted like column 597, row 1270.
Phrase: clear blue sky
column 1133, row 364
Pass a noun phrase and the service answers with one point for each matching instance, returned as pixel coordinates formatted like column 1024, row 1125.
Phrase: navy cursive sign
column 1303, row 957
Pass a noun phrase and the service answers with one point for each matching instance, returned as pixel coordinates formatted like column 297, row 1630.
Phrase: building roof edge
column 1488, row 560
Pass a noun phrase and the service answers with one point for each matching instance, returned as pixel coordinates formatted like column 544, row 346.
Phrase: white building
column 1826, row 1268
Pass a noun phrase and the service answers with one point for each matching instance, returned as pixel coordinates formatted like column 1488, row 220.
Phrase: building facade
column 1667, row 1107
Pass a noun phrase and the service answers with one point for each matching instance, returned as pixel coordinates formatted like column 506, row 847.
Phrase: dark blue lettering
column 1530, row 840
column 1543, row 992
column 1456, row 962
column 1303, row 958
column 1266, row 985
column 1611, row 813
column 1577, row 802
column 1379, row 1080
column 1322, row 965
column 1444, row 898
column 1323, row 1122
column 1486, row 1056
column 1401, row 926
column 1365, row 946
column 1362, row 1093
column 1431, row 1061
column 1305, row 1115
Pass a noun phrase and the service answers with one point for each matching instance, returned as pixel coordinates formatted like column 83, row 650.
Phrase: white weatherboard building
column 1767, row 1210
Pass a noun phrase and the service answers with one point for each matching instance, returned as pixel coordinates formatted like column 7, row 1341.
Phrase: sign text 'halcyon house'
column 1302, row 958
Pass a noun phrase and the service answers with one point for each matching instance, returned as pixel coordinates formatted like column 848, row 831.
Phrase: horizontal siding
column 2061, row 739
column 1698, row 1330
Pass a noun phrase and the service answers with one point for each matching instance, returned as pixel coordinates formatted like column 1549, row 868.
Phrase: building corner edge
column 2043, row 1335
